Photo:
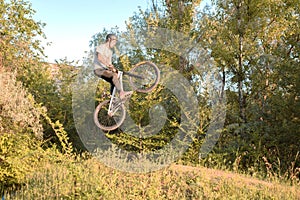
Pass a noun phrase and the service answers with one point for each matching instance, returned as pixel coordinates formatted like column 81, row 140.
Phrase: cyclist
column 104, row 68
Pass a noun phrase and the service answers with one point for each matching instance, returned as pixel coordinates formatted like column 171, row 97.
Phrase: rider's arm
column 103, row 61
column 108, row 65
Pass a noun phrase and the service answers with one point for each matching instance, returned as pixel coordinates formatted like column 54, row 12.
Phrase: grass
column 70, row 178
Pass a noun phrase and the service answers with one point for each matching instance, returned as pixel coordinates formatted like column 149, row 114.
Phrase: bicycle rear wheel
column 150, row 76
column 106, row 122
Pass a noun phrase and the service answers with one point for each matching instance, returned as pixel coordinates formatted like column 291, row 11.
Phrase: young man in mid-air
column 104, row 68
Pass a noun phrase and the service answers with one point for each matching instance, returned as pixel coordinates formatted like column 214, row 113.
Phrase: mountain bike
column 111, row 113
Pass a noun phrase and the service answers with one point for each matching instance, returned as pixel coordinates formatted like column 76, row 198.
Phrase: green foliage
column 248, row 41
column 254, row 44
column 18, row 157
column 21, row 132
column 59, row 107
column 26, row 88
column 60, row 133
column 18, row 35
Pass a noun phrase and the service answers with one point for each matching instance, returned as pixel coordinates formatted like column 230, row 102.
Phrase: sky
column 70, row 24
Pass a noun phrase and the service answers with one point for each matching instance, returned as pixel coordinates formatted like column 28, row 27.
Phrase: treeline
column 254, row 48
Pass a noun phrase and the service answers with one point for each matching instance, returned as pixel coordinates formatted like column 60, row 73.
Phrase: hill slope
column 67, row 178
column 220, row 184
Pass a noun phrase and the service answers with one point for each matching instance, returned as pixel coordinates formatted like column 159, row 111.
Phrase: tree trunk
column 242, row 104
column 240, row 82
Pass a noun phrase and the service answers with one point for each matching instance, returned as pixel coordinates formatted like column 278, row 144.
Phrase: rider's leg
column 117, row 84
column 114, row 80
column 109, row 79
column 112, row 87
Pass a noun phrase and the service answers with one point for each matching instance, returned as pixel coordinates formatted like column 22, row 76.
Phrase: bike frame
column 113, row 108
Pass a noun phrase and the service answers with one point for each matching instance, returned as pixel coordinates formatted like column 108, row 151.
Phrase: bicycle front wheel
column 106, row 122
column 149, row 76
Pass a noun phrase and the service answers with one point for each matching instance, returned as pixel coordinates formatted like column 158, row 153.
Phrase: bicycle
column 110, row 114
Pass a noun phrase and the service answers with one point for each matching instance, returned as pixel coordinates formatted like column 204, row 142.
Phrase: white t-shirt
column 106, row 54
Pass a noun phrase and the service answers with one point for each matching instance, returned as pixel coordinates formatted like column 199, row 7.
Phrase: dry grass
column 89, row 179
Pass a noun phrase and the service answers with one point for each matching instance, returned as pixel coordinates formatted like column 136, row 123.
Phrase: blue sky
column 70, row 24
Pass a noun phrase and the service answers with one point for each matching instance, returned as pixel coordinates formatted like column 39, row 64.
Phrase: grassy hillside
column 64, row 177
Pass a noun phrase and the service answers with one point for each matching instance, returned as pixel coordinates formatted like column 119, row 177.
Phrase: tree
column 20, row 46
column 249, row 40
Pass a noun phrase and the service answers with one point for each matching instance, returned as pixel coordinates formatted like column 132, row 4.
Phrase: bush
column 17, row 109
